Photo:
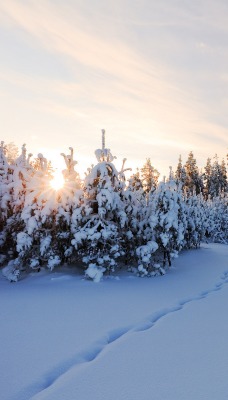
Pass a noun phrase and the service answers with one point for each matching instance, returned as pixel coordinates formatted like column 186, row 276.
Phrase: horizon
column 58, row 163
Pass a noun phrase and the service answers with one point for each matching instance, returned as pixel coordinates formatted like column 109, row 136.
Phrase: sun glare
column 57, row 182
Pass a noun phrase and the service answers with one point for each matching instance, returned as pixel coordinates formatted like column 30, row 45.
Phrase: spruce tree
column 149, row 176
column 4, row 197
column 99, row 237
column 224, row 180
column 48, row 216
column 218, row 178
column 193, row 183
column 180, row 173
column 207, row 178
column 19, row 176
column 12, row 152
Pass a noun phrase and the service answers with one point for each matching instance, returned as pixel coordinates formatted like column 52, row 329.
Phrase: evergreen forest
column 105, row 222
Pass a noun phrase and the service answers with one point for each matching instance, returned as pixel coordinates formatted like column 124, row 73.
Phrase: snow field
column 164, row 338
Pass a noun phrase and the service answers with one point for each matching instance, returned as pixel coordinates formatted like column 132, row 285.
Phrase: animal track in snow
column 92, row 353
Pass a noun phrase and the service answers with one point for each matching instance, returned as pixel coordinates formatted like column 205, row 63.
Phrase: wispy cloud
column 141, row 73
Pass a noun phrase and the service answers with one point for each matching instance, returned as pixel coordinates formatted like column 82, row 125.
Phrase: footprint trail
column 90, row 354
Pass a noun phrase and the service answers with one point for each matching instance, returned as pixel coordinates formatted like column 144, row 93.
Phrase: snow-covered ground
column 125, row 338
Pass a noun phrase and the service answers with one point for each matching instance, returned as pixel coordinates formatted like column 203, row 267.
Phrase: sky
column 152, row 74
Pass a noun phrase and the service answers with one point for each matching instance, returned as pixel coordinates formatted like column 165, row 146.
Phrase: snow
column 162, row 338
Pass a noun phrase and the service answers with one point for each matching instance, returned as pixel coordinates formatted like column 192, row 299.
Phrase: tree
column 180, row 174
column 98, row 240
column 47, row 215
column 216, row 219
column 193, row 183
column 12, row 152
column 4, row 194
column 170, row 213
column 36, row 165
column 207, row 178
column 149, row 176
column 218, row 177
column 224, row 179
column 195, row 229
column 18, row 179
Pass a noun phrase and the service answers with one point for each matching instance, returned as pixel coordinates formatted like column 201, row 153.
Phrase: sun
column 57, row 182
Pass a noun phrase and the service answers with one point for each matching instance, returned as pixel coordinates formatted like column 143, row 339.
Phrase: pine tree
column 99, row 237
column 193, row 183
column 12, row 152
column 216, row 219
column 218, row 178
column 171, row 219
column 207, row 178
column 195, row 229
column 149, row 176
column 224, row 180
column 48, row 216
column 19, row 176
column 35, row 164
column 180, row 174
column 134, row 201
column 71, row 208
column 135, row 181
column 4, row 196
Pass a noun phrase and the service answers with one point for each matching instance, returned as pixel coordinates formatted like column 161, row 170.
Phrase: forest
column 105, row 221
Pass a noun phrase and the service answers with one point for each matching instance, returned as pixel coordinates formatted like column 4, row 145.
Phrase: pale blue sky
column 154, row 74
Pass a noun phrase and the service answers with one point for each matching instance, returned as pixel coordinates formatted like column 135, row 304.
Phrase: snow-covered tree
column 195, row 229
column 180, row 173
column 224, row 177
column 47, row 214
column 135, row 182
column 216, row 219
column 134, row 202
column 207, row 179
column 169, row 231
column 4, row 196
column 99, row 238
column 218, row 178
column 193, row 183
column 35, row 164
column 18, row 178
column 12, row 152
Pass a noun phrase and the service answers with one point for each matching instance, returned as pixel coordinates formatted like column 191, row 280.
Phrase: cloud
column 141, row 70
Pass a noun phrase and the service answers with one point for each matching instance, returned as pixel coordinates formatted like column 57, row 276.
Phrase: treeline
column 105, row 221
